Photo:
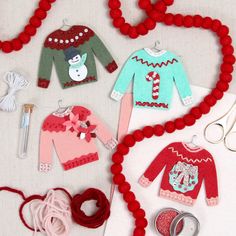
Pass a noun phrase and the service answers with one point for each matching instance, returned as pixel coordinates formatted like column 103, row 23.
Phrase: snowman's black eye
column 77, row 70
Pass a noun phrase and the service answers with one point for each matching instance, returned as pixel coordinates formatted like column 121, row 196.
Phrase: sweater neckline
column 62, row 112
column 153, row 53
column 190, row 148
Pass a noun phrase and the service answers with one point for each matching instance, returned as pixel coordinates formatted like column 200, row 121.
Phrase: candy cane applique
column 155, row 78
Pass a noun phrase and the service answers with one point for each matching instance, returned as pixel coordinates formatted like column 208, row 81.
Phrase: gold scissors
column 226, row 130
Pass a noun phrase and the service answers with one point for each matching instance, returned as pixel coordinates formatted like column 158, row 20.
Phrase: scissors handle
column 228, row 137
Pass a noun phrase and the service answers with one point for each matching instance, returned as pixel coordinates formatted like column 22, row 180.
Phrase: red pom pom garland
column 30, row 29
column 157, row 13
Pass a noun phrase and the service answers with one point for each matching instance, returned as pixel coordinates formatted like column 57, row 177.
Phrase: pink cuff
column 45, row 167
column 144, row 182
column 212, row 201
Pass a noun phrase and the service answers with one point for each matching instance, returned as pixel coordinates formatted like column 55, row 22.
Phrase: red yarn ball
column 160, row 6
column 44, row 5
column 196, row 112
column 124, row 187
column 140, row 213
column 227, row 40
column 216, row 24
column 188, row 21
column 119, row 179
column 115, row 13
column 170, row 127
column 207, row 22
column 129, row 140
column 222, row 86
column 229, row 59
column 179, row 123
column 226, row 77
column 113, row 4
column 145, row 4
column 204, row 107
column 16, row 44
column 141, row 29
column 24, row 38
column 197, row 20
column 148, row 131
column 178, row 20
column 133, row 33
column 139, row 232
column 223, row 31
column 118, row 22
column 117, row 158
column 227, row 50
column 189, row 119
column 168, row 2
column 133, row 206
column 35, row 21
column 158, row 130
column 129, row 197
column 124, row 29
column 217, row 93
column 149, row 24
column 141, row 223
column 138, row 135
column 227, row 68
column 40, row 13
column 210, row 100
column 156, row 16
column 169, row 19
column 30, row 30
column 122, row 149
column 116, row 168
column 7, row 47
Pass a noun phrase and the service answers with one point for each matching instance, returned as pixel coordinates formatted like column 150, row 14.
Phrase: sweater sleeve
column 182, row 83
column 211, row 185
column 45, row 151
column 102, row 53
column 155, row 168
column 103, row 133
column 45, row 67
column 124, row 79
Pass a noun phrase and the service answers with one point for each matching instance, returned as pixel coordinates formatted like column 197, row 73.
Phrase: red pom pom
column 228, row 50
column 124, row 187
column 197, row 21
column 217, row 93
column 133, row 206
column 17, row 44
column 51, row 1
column 40, row 14
column 24, row 38
column 222, row 86
column 216, row 24
column 141, row 29
column 189, row 120
column 35, row 21
column 129, row 140
column 124, row 29
column 139, row 232
column 226, row 77
column 30, row 30
column 115, row 13
column 145, row 4
column 158, row 130
column 7, row 47
column 129, row 197
column 170, row 127
column 178, row 19
column 227, row 40
column 141, row 223
column 122, row 149
column 210, row 100
column 204, row 107
column 223, row 31
column 188, row 21
column 196, row 112
column 149, row 24
column 140, row 213
column 229, row 59
column 169, row 19
column 119, row 179
column 113, row 4
column 179, row 123
column 160, row 6
column 168, row 2
column 118, row 22
column 117, row 158
column 148, row 131
column 207, row 22
column 133, row 33
column 116, row 168
column 44, row 5
column 227, row 68
column 138, row 135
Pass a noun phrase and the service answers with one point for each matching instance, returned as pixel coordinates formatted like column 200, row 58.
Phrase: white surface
column 218, row 220
column 197, row 48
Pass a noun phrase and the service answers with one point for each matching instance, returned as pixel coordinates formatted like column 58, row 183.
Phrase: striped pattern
column 155, row 78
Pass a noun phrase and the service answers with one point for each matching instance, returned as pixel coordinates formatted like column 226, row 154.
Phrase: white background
column 199, row 52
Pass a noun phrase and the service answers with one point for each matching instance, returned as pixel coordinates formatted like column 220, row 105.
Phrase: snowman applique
column 77, row 69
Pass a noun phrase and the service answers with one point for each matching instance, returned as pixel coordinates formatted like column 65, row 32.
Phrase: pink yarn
column 52, row 216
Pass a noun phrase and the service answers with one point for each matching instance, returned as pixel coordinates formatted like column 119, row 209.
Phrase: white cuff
column 187, row 100
column 45, row 167
column 144, row 182
column 111, row 144
column 116, row 95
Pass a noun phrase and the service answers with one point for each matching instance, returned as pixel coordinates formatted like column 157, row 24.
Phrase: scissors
column 222, row 122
